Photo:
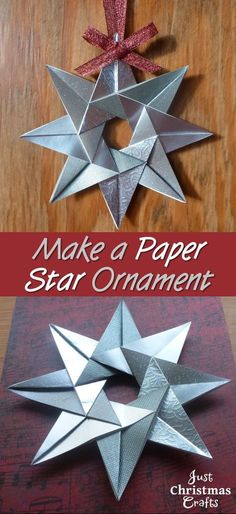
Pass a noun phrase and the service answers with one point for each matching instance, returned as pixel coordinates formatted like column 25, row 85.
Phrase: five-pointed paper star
column 91, row 161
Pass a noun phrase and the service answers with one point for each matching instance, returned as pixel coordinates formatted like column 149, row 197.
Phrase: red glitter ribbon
column 115, row 46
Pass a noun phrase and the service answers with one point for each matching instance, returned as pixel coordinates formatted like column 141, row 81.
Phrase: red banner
column 113, row 264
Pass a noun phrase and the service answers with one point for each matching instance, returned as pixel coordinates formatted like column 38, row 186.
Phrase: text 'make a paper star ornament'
column 89, row 106
column 120, row 430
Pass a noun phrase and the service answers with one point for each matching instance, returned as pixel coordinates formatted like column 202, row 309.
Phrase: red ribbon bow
column 115, row 46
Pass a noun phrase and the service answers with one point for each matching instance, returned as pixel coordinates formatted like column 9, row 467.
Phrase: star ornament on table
column 79, row 135
column 121, row 431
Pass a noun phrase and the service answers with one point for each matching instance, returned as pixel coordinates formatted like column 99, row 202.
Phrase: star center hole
column 122, row 388
column 117, row 133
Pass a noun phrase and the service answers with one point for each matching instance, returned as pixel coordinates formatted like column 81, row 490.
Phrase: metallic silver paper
column 121, row 431
column 79, row 135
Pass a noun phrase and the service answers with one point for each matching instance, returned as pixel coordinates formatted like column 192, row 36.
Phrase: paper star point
column 90, row 161
column 121, row 431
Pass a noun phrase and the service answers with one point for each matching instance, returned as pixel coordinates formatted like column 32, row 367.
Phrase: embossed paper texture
column 64, row 485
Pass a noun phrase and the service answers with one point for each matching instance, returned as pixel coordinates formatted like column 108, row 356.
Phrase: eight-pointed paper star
column 90, row 161
column 121, row 431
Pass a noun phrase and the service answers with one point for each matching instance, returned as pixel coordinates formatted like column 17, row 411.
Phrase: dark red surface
column 77, row 482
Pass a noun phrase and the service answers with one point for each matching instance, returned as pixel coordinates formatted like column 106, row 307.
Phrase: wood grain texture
column 7, row 308
column 200, row 33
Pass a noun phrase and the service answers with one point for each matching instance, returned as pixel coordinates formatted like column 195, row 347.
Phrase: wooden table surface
column 7, row 307
column 200, row 33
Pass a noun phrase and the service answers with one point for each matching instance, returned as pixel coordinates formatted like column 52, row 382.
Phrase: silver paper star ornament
column 90, row 161
column 121, row 431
